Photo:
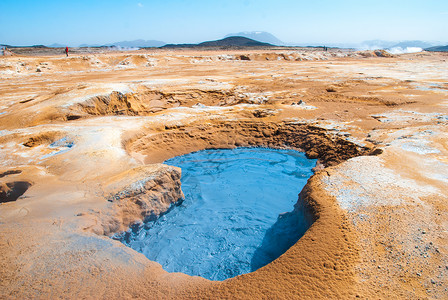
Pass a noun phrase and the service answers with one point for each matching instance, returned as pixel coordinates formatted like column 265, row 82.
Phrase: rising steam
column 400, row 50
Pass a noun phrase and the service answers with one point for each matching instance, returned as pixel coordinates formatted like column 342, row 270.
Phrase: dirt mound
column 133, row 104
column 333, row 96
column 44, row 138
column 135, row 196
column 375, row 53
column 382, row 53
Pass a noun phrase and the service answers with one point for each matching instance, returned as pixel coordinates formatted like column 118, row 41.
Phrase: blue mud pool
column 238, row 214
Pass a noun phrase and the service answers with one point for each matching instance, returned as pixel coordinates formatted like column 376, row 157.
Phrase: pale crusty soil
column 82, row 140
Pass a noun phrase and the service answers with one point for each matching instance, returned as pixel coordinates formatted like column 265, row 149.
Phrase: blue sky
column 177, row 21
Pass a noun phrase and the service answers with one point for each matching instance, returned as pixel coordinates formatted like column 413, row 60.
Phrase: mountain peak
column 235, row 41
column 261, row 36
column 231, row 41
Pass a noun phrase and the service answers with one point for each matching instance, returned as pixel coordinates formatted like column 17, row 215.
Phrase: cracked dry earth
column 83, row 139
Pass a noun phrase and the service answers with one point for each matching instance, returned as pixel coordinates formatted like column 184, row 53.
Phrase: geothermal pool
column 238, row 214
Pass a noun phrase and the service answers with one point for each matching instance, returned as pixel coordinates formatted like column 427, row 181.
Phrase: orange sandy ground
column 381, row 221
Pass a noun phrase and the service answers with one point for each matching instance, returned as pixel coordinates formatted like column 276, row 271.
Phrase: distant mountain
column 138, row 44
column 56, row 45
column 261, row 36
column 380, row 44
column 13, row 46
column 417, row 44
column 90, row 45
column 130, row 44
column 376, row 44
column 438, row 49
column 179, row 46
column 232, row 41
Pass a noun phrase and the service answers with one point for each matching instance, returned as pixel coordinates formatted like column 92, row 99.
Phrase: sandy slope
column 82, row 139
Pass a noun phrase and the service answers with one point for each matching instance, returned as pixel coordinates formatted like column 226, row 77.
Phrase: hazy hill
column 380, row 44
column 130, row 44
column 232, row 41
column 406, row 44
column 261, row 36
column 56, row 45
column 438, row 49
column 90, row 45
column 377, row 44
column 138, row 44
column 179, row 46
column 14, row 46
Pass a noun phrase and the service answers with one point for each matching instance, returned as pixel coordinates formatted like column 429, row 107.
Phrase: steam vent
column 221, row 172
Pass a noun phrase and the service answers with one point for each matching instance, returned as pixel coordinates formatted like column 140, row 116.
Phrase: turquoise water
column 238, row 214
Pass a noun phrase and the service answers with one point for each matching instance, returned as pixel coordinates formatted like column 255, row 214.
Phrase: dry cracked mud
column 83, row 140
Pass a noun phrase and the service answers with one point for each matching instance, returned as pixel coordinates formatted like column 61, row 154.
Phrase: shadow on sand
column 286, row 231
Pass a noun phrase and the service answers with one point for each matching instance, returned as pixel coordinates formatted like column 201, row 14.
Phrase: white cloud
column 140, row 4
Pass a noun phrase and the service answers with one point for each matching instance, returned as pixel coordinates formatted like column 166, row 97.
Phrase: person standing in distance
column 66, row 51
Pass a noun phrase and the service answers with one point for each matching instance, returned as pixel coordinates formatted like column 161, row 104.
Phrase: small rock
column 199, row 105
column 312, row 154
column 382, row 53
column 262, row 113
column 38, row 70
column 331, row 89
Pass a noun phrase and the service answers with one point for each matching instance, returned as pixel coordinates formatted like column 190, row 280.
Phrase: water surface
column 238, row 214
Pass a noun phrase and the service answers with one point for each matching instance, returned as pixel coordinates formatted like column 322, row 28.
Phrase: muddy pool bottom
column 238, row 214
